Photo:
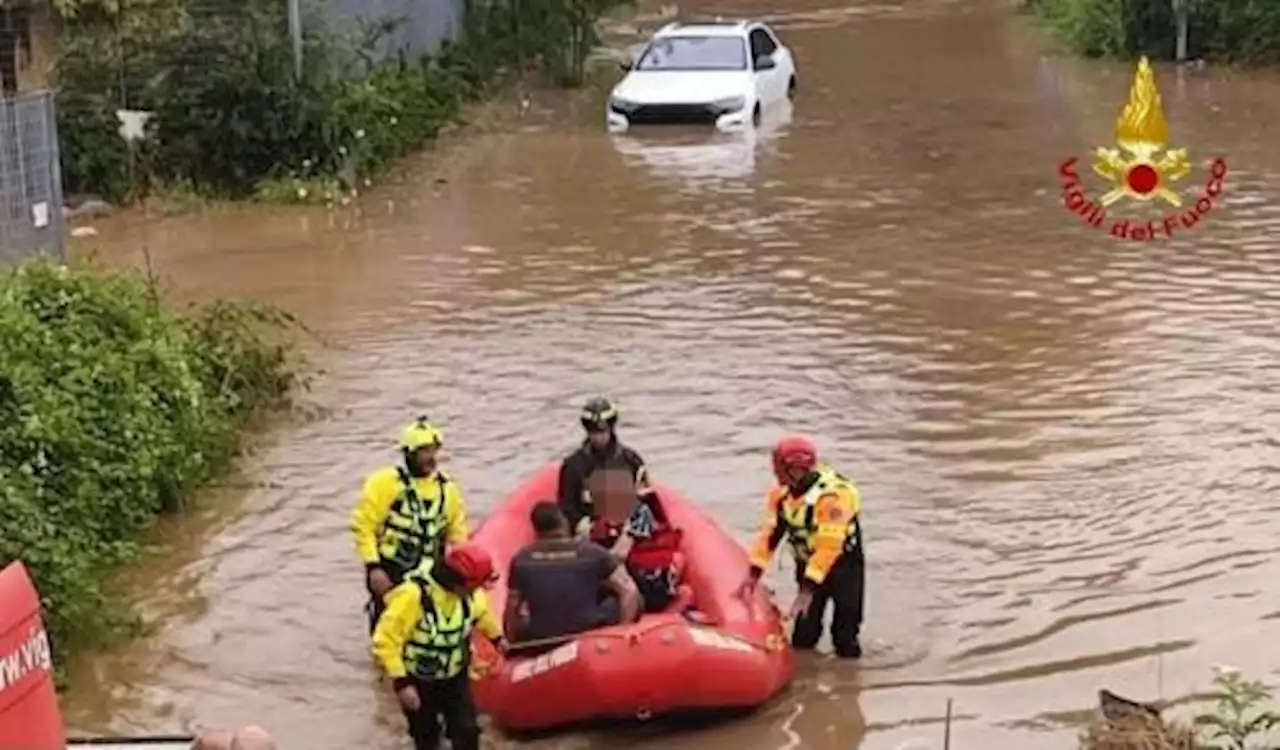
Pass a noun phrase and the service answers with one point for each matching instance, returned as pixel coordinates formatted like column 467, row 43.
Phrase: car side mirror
column 625, row 65
column 764, row 62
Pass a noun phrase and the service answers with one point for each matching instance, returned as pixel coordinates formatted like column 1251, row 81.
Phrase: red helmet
column 472, row 562
column 794, row 452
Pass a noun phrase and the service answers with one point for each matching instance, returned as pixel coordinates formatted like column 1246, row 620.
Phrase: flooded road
column 1066, row 444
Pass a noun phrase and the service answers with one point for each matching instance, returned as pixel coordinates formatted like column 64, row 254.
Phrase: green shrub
column 113, row 411
column 230, row 118
column 1239, row 31
column 95, row 159
column 1219, row 30
column 1240, row 719
column 231, row 109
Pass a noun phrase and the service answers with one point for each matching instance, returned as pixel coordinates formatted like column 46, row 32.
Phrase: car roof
column 717, row 27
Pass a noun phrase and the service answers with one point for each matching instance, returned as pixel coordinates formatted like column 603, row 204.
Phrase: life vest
column 654, row 553
column 658, row 551
column 440, row 646
column 414, row 529
column 796, row 515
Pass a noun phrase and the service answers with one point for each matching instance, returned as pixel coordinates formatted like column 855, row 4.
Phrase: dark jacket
column 579, row 465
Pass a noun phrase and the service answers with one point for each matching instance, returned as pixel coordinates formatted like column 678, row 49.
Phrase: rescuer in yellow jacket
column 423, row 642
column 817, row 512
column 406, row 514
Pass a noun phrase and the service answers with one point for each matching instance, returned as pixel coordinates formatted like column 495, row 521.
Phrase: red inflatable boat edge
column 666, row 663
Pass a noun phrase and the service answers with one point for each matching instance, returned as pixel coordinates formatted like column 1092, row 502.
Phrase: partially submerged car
column 722, row 73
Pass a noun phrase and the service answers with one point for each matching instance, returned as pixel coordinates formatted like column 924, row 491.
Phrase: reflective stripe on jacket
column 820, row 525
column 425, row 631
column 402, row 520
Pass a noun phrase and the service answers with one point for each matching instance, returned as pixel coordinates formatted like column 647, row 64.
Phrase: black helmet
column 598, row 411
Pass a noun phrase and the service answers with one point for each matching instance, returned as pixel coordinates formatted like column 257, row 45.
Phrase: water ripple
column 1066, row 442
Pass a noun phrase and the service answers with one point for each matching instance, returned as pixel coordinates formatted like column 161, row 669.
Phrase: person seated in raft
column 646, row 540
column 559, row 580
column 600, row 450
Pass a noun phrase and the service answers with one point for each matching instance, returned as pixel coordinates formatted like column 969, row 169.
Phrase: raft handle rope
column 772, row 643
column 150, row 739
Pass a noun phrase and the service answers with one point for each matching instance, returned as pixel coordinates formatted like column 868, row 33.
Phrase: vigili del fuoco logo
column 1141, row 170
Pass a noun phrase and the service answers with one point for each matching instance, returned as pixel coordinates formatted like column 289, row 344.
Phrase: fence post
column 1180, row 13
column 56, row 221
column 12, row 208
column 295, row 32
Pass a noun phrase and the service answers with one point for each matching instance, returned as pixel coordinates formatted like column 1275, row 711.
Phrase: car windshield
column 694, row 53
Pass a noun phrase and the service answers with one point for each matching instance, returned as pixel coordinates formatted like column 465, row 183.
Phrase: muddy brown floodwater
column 1067, row 443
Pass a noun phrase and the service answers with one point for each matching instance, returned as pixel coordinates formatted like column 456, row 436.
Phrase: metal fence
column 30, row 178
column 411, row 28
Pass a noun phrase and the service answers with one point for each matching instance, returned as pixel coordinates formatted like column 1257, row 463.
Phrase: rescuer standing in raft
column 406, row 514
column 423, row 642
column 816, row 510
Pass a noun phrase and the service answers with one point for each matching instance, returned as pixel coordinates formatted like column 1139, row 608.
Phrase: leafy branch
column 1239, row 717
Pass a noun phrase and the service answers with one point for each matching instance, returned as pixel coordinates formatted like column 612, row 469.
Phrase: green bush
column 231, row 110
column 1240, row 719
column 95, row 159
column 1218, row 30
column 113, row 411
column 231, row 119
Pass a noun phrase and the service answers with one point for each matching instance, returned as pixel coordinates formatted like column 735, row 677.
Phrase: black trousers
column 655, row 588
column 845, row 589
column 448, row 701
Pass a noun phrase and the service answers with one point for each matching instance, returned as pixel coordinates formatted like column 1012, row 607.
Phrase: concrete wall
column 37, row 59
column 28, row 46
column 424, row 23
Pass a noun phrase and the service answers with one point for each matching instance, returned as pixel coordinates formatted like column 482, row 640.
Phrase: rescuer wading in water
column 423, row 642
column 817, row 511
column 406, row 514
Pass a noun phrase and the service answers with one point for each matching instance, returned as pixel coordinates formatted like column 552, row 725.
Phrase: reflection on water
column 1066, row 444
column 702, row 159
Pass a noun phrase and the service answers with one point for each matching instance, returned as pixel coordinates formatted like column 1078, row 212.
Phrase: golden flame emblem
column 1142, row 132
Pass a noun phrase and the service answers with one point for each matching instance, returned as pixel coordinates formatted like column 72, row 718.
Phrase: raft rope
column 771, row 643
column 149, row 739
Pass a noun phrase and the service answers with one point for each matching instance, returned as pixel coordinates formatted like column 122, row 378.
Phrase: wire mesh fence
column 30, row 180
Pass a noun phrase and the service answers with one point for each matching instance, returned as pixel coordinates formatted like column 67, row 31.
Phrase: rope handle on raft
column 150, row 739
column 771, row 643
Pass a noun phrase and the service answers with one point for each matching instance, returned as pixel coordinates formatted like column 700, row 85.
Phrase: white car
column 725, row 73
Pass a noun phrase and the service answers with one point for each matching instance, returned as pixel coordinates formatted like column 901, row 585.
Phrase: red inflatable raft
column 29, row 715
column 729, row 653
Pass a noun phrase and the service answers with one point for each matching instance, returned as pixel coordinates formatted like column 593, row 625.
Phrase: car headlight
column 618, row 104
column 732, row 104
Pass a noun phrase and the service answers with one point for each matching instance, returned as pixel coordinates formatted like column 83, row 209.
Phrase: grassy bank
column 231, row 119
column 1217, row 30
column 114, row 410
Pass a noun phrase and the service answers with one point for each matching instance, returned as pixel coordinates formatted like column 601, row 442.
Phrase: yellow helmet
column 420, row 434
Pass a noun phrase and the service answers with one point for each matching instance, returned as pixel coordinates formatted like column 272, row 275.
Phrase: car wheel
column 791, row 88
column 755, row 115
